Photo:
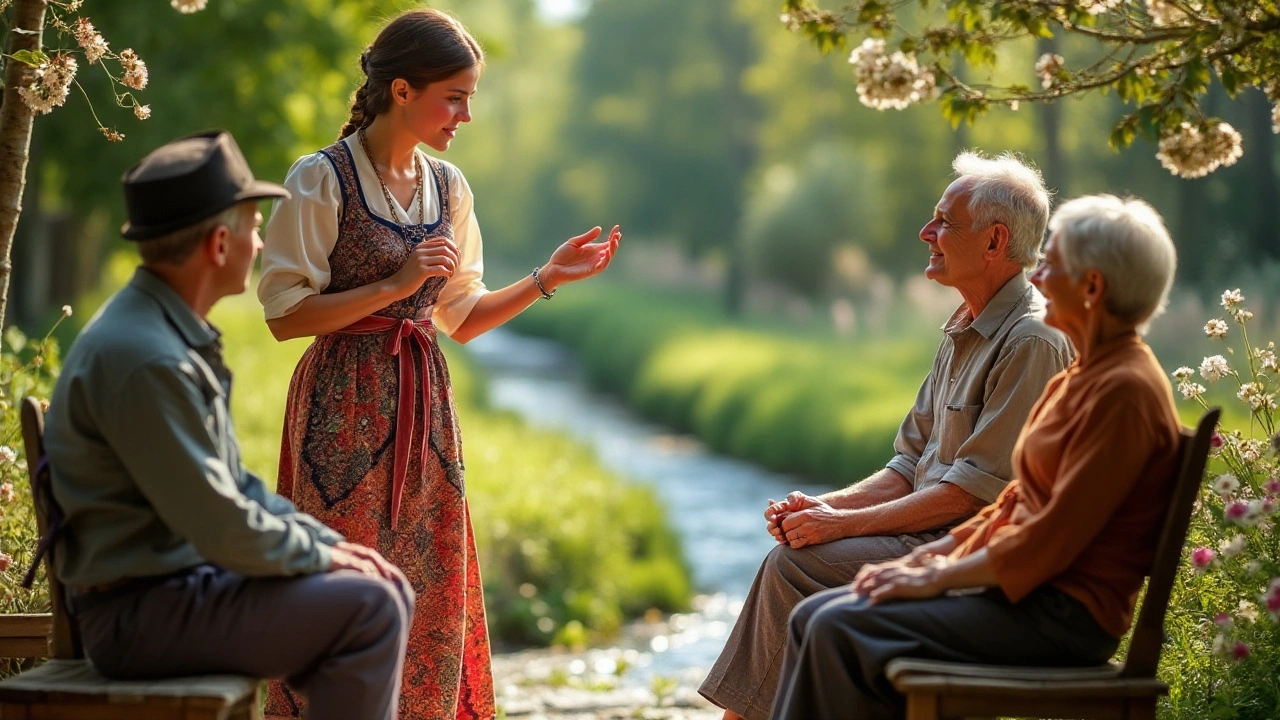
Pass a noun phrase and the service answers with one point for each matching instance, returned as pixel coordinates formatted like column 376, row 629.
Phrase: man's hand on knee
column 350, row 556
column 777, row 511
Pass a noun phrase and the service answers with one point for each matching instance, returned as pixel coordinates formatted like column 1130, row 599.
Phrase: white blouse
column 303, row 231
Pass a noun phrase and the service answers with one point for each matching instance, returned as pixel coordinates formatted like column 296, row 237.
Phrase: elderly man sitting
column 953, row 449
column 1060, row 556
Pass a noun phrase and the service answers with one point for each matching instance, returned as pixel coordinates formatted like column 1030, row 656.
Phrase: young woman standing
column 377, row 249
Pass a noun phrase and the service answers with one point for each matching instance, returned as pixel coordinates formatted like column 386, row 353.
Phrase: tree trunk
column 1261, row 157
column 15, row 132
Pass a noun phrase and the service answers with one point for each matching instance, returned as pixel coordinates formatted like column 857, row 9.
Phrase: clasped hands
column 803, row 520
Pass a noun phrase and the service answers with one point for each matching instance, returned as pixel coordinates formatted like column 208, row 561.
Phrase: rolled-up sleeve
column 466, row 286
column 984, row 461
column 158, row 430
column 299, row 237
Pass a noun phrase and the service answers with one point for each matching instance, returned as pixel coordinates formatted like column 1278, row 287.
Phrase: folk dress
column 371, row 444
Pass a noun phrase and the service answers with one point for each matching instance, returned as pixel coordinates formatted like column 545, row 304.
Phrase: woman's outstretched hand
column 579, row 258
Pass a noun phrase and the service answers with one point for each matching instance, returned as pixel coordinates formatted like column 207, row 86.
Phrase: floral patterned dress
column 371, row 448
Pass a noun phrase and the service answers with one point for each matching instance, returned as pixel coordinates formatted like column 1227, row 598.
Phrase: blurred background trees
column 732, row 152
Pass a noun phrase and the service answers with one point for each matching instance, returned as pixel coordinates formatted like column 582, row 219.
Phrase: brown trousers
column 745, row 677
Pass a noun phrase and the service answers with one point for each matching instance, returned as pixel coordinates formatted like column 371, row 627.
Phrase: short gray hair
column 1007, row 190
column 1127, row 242
column 177, row 246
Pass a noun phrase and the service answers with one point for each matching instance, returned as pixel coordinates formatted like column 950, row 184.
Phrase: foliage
column 779, row 397
column 1226, row 611
column 28, row 368
column 1157, row 55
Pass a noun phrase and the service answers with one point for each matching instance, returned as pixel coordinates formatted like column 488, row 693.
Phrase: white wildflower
column 1234, row 546
column 8, row 454
column 189, row 6
column 1253, row 449
column 50, row 84
column 1247, row 611
column 135, row 70
column 94, row 45
column 1216, row 328
column 889, row 81
column 1252, row 394
column 1232, row 298
column 1190, row 390
column 1267, row 361
column 1242, row 315
column 1183, row 374
column 142, row 111
column 1226, row 485
column 1192, row 151
column 111, row 134
column 1214, row 367
column 1048, row 67
column 1253, row 567
column 66, row 311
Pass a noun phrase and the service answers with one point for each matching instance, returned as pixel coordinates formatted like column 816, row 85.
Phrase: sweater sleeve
column 1100, row 466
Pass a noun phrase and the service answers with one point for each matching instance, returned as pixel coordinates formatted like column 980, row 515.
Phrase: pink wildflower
column 4, row 561
column 1215, row 441
column 1237, row 510
column 1222, row 620
column 1201, row 557
column 1239, row 651
column 1273, row 487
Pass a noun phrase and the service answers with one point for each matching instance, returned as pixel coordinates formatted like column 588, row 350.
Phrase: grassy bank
column 787, row 397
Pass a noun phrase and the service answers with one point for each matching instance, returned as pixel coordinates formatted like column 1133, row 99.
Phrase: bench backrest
column 1148, row 633
column 66, row 640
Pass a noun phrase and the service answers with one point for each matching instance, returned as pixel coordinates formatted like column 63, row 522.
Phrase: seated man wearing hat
column 177, row 559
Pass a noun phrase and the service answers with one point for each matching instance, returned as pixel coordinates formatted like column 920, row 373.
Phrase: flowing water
column 715, row 503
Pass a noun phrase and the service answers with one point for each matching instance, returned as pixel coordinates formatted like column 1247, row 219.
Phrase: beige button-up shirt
column 987, row 375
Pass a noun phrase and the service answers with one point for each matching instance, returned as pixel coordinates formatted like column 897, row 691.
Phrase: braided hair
column 421, row 46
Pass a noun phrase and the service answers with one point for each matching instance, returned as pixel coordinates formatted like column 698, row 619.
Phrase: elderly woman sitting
column 1058, row 560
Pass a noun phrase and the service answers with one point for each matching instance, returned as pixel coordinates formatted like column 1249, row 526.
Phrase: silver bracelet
column 538, row 281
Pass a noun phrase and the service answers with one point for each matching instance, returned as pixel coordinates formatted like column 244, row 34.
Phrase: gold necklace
column 391, row 204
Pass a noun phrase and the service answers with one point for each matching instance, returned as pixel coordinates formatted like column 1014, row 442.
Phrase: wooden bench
column 25, row 636
column 67, row 687
column 938, row 690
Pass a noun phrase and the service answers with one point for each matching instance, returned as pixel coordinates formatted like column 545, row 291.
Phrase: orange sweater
column 1094, row 469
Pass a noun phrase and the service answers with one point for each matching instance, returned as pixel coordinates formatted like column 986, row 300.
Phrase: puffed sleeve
column 465, row 288
column 299, row 236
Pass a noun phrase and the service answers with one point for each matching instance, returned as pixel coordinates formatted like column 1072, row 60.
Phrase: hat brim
column 256, row 190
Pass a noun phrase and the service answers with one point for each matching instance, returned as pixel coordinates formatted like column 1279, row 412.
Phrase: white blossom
column 1214, row 367
column 1253, row 394
column 135, row 70
column 1242, row 315
column 91, row 41
column 1164, row 13
column 111, row 134
column 1267, row 361
column 142, row 111
column 1193, row 151
column 889, row 81
column 1226, row 485
column 1232, row 298
column 1048, row 67
column 8, row 454
column 66, row 311
column 1216, row 328
column 1253, row 567
column 1183, row 374
column 188, row 6
column 1190, row 390
column 1234, row 546
column 1247, row 611
column 50, row 84
column 1097, row 7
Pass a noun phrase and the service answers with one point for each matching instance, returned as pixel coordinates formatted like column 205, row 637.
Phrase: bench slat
column 26, row 625
column 66, row 679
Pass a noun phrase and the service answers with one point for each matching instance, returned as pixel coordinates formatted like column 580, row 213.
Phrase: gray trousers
column 838, row 645
column 745, row 677
column 338, row 638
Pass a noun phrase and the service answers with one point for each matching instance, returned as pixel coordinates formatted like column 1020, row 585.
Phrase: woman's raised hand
column 580, row 258
column 437, row 257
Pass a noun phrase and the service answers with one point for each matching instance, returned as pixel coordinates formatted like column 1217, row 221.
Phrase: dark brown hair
column 421, row 46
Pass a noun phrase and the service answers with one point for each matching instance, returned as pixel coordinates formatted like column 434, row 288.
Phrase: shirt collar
column 995, row 313
column 194, row 331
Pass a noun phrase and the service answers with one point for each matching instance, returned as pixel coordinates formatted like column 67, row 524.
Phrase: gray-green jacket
column 145, row 462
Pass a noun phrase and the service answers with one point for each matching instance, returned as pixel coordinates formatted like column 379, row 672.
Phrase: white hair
column 1127, row 242
column 1010, row 191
